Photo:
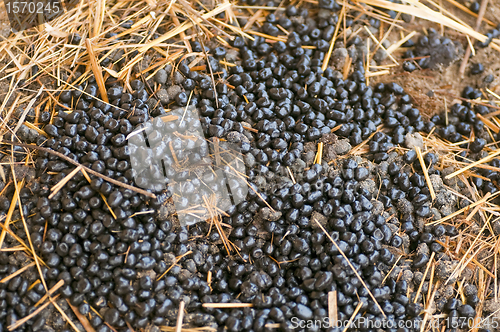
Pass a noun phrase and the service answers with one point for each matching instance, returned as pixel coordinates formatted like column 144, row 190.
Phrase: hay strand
column 89, row 170
column 350, row 265
column 426, row 173
column 180, row 317
column 96, row 69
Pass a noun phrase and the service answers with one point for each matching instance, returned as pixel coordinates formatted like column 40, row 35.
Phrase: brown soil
column 429, row 88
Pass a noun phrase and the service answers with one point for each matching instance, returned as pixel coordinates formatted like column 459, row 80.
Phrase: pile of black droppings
column 100, row 255
column 431, row 51
column 127, row 263
column 458, row 125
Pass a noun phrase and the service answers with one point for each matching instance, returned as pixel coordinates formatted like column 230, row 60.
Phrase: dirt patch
column 429, row 88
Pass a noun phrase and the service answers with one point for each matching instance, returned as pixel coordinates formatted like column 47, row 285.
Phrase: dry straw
column 164, row 30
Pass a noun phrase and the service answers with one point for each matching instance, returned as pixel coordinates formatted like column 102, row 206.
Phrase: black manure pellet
column 431, row 50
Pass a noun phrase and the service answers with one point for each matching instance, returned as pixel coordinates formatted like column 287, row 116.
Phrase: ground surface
column 431, row 90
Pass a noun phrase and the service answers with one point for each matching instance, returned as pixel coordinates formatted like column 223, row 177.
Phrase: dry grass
column 37, row 64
